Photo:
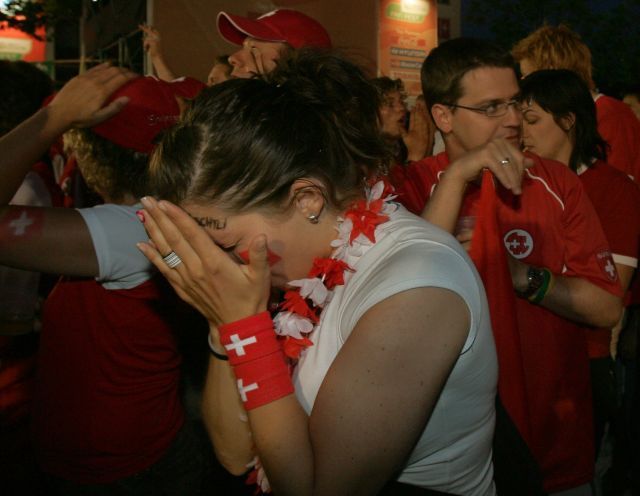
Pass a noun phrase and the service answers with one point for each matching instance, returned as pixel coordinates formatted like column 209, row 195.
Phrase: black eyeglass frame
column 483, row 110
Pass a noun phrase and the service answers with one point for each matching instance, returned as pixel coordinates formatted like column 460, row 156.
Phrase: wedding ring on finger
column 505, row 161
column 172, row 260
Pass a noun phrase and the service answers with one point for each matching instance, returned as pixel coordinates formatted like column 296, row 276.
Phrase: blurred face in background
column 218, row 74
column 393, row 114
column 255, row 57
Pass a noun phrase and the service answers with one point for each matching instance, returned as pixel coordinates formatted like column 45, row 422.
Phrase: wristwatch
column 535, row 279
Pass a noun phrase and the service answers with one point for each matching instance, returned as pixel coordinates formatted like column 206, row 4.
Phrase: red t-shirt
column 106, row 404
column 619, row 127
column 553, row 225
column 616, row 199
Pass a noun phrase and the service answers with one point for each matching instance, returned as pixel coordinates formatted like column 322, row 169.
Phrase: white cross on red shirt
column 238, row 344
column 610, row 268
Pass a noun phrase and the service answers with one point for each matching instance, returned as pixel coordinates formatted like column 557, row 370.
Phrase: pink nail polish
column 140, row 215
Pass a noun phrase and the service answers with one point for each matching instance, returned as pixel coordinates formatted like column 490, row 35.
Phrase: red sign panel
column 16, row 45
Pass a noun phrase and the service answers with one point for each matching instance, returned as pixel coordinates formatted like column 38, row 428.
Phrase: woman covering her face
column 379, row 364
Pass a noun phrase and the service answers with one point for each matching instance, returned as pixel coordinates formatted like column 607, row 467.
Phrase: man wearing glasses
column 532, row 216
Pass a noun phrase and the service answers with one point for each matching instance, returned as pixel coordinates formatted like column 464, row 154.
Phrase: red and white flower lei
column 301, row 309
column 357, row 232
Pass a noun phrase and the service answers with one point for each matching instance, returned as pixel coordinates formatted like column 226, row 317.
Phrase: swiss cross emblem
column 238, row 345
column 606, row 264
column 519, row 243
column 20, row 223
column 243, row 390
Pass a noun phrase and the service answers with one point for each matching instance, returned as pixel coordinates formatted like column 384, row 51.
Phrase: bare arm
column 625, row 273
column 151, row 44
column 574, row 298
column 79, row 103
column 44, row 239
column 341, row 449
column 443, row 207
column 224, row 416
column 50, row 239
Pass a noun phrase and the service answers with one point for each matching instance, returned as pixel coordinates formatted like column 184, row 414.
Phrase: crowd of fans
column 285, row 276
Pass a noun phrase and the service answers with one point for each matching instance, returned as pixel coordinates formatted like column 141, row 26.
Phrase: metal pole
column 148, row 66
column 83, row 47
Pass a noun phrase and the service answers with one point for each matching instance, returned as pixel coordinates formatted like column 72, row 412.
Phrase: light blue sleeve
column 115, row 230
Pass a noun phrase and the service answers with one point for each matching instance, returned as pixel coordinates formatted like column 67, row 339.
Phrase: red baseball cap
column 282, row 25
column 152, row 107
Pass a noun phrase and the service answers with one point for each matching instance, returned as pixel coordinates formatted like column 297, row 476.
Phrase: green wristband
column 546, row 285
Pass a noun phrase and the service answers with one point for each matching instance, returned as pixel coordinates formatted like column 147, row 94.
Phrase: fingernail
column 146, row 202
column 162, row 206
column 140, row 215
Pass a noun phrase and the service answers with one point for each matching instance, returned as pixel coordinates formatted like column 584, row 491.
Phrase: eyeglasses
column 495, row 109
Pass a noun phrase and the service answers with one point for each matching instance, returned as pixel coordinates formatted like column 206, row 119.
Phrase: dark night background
column 611, row 28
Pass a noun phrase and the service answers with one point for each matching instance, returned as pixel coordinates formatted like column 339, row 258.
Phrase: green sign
column 10, row 56
column 394, row 11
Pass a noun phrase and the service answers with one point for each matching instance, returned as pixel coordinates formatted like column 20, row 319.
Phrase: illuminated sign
column 407, row 32
column 16, row 45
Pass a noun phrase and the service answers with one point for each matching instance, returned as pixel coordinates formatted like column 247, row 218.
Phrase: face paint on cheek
column 272, row 258
column 21, row 223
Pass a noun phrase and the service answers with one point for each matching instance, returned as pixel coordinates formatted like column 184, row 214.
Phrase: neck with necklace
column 358, row 230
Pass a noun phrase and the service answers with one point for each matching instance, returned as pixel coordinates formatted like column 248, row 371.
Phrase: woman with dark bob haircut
column 565, row 98
column 560, row 123
column 378, row 373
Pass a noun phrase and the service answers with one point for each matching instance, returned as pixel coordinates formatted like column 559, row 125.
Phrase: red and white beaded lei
column 300, row 312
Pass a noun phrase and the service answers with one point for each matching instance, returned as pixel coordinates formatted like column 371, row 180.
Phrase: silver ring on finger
column 505, row 161
column 172, row 260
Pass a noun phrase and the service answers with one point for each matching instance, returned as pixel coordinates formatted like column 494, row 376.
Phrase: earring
column 313, row 218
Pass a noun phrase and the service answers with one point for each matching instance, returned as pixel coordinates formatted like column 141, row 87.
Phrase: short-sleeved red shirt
column 616, row 199
column 552, row 224
column 619, row 127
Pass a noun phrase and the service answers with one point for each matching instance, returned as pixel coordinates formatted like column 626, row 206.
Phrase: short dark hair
column 561, row 92
column 386, row 85
column 446, row 65
column 244, row 142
